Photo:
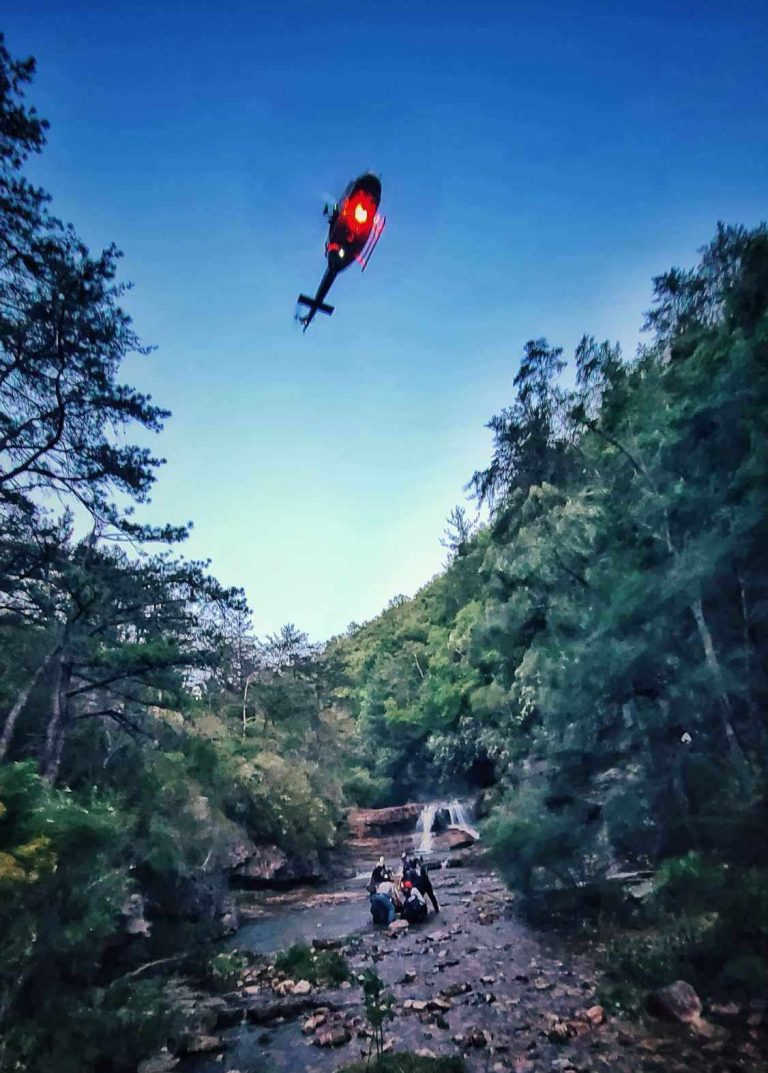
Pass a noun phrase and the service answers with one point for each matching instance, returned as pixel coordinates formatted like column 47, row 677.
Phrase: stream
column 473, row 980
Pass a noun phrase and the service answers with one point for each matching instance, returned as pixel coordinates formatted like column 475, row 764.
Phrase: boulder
column 377, row 821
column 135, row 921
column 203, row 1044
column 676, row 1002
column 397, row 927
column 161, row 1063
column 335, row 1036
column 269, row 866
column 303, row 987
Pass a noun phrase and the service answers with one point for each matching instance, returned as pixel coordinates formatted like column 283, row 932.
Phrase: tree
column 63, row 336
column 527, row 436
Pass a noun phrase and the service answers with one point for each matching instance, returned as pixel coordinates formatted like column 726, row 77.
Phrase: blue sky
column 540, row 164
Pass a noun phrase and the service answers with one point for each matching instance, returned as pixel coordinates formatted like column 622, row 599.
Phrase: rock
column 458, row 839
column 375, row 821
column 303, row 987
column 326, row 944
column 161, row 1063
column 441, row 1021
column 230, row 923
column 677, row 1002
column 595, row 1015
column 440, row 1004
column 424, row 1052
column 269, row 865
column 407, row 977
column 559, row 1032
column 478, row 1038
column 335, row 1036
column 133, row 911
column 313, row 1023
column 265, row 1011
column 729, row 1009
column 397, row 927
column 452, row 990
column 523, row 1065
column 203, row 1044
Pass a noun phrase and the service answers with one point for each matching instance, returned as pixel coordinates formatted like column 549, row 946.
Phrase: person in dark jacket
column 380, row 874
column 424, row 883
column 414, row 907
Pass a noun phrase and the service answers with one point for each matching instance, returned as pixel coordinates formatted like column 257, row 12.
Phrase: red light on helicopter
column 358, row 212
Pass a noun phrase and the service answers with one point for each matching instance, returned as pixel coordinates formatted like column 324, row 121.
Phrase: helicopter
column 354, row 229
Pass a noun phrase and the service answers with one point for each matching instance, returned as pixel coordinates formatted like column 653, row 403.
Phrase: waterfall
column 459, row 817
column 424, row 827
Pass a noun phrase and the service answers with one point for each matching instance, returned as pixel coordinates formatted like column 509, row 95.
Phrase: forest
column 590, row 665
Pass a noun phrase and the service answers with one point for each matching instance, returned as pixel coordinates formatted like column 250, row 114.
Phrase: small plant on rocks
column 378, row 1009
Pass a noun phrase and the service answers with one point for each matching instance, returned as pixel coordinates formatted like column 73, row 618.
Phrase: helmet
column 407, row 885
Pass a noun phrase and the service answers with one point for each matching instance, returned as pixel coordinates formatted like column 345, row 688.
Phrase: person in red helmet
column 414, row 908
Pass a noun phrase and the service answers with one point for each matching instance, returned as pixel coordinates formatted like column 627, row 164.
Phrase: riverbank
column 473, row 981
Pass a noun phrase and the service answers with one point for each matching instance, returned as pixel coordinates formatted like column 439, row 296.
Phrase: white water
column 459, row 816
column 424, row 827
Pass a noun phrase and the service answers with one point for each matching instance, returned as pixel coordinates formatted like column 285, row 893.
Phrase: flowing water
column 459, row 815
column 424, row 824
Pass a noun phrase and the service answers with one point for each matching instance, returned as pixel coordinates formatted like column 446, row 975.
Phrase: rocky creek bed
column 473, row 980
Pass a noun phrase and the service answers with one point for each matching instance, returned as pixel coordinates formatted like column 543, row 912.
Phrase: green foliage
column 64, row 883
column 710, row 925
column 226, row 968
column 597, row 652
column 379, row 1005
column 301, row 962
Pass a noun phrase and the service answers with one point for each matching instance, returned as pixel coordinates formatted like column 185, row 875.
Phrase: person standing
column 424, row 883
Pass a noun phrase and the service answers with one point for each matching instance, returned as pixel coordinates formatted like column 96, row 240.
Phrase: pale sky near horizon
column 540, row 163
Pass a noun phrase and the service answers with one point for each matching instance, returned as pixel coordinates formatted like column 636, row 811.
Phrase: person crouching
column 384, row 903
column 414, row 907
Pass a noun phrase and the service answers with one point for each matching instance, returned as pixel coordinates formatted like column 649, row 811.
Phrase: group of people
column 405, row 896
